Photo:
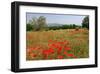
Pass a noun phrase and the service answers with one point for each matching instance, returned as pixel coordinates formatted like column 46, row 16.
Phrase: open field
column 57, row 44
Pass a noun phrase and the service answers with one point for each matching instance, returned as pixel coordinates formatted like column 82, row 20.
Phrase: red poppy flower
column 33, row 55
column 65, row 53
column 59, row 50
column 45, row 52
column 67, row 48
column 60, row 57
column 50, row 50
column 70, row 55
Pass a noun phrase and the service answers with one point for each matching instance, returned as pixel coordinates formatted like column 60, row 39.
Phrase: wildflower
column 33, row 55
column 65, row 53
column 59, row 50
column 67, row 48
column 60, row 57
column 70, row 55
column 50, row 50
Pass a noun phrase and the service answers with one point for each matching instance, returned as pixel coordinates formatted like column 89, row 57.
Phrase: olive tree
column 37, row 24
column 41, row 22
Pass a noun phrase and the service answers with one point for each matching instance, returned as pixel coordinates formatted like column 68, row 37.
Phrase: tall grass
column 76, row 44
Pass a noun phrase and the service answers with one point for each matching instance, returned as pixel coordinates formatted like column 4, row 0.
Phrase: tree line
column 38, row 24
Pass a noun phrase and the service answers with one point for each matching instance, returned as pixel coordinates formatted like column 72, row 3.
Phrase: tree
column 37, row 24
column 74, row 26
column 85, row 22
column 34, row 23
column 41, row 21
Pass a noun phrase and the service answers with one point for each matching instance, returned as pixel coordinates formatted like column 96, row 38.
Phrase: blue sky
column 58, row 18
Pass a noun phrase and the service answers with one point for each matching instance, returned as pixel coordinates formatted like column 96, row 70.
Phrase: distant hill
column 57, row 24
column 54, row 24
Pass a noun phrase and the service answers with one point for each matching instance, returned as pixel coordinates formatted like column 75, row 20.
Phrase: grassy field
column 57, row 44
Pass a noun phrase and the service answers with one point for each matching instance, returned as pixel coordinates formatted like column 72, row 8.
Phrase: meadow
column 57, row 44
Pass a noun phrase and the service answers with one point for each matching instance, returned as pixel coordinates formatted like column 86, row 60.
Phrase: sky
column 58, row 18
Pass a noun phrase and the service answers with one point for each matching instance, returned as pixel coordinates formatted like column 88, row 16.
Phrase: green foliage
column 66, row 26
column 29, row 27
column 85, row 22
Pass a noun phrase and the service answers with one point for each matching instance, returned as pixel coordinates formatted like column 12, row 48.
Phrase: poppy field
column 57, row 44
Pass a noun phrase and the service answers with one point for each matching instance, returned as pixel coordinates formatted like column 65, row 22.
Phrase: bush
column 29, row 27
column 77, row 28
